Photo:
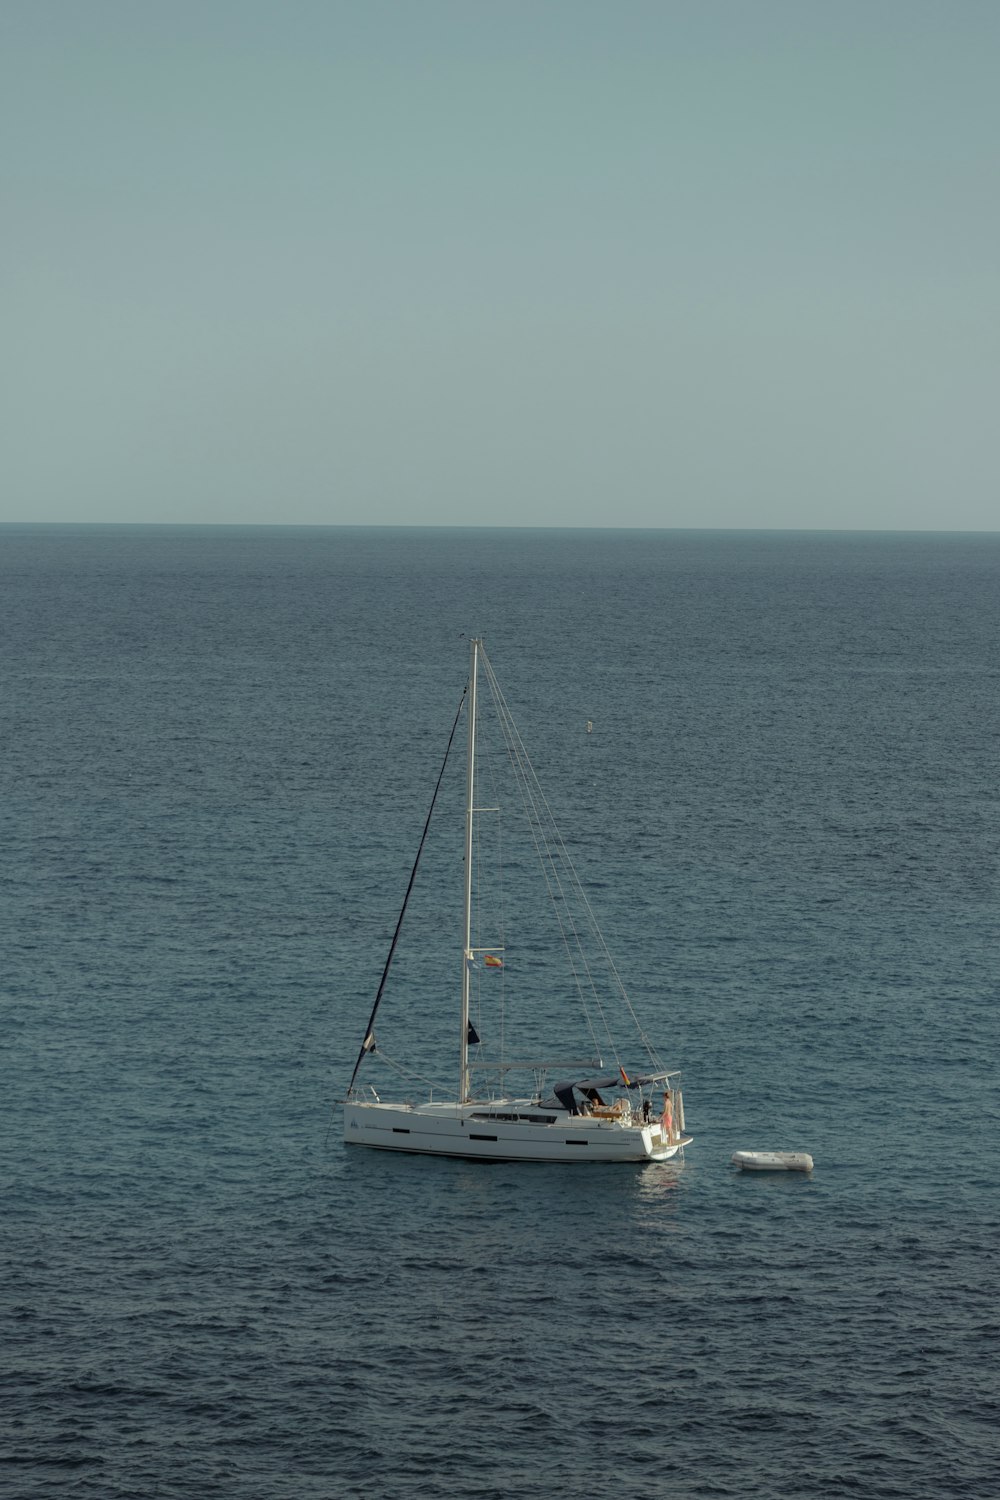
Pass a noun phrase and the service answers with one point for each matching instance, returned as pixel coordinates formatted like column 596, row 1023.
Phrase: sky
column 646, row 263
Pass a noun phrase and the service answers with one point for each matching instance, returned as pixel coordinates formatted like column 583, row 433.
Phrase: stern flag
column 625, row 1078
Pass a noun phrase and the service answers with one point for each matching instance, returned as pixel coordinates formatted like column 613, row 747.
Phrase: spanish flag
column 491, row 962
column 625, row 1078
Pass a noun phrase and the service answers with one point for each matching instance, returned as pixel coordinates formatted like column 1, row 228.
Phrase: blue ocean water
column 219, row 746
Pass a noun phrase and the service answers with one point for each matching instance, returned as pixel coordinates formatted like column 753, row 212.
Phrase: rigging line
column 409, row 1075
column 549, row 844
column 551, row 852
column 494, row 892
column 563, row 855
column 530, row 786
column 369, row 1042
column 554, row 856
column 534, row 803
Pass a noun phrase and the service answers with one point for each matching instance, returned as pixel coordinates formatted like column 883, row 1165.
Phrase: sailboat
column 515, row 1109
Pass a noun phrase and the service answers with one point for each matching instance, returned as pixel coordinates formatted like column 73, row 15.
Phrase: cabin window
column 514, row 1119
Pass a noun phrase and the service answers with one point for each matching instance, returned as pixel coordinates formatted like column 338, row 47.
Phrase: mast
column 470, row 791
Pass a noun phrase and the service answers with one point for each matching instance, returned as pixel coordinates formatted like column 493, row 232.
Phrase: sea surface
column 218, row 751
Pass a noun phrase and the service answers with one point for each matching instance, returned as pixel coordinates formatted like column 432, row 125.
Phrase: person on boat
column 667, row 1117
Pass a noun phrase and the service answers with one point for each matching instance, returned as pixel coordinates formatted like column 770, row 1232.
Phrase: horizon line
column 493, row 526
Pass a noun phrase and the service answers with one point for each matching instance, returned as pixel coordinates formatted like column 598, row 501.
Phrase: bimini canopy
column 588, row 1087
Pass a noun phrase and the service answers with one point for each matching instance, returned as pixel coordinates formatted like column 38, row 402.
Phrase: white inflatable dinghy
column 773, row 1161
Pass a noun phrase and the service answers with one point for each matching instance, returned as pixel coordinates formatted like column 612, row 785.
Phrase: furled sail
column 368, row 1045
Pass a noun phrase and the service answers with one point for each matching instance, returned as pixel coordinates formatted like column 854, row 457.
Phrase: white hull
column 773, row 1161
column 504, row 1130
